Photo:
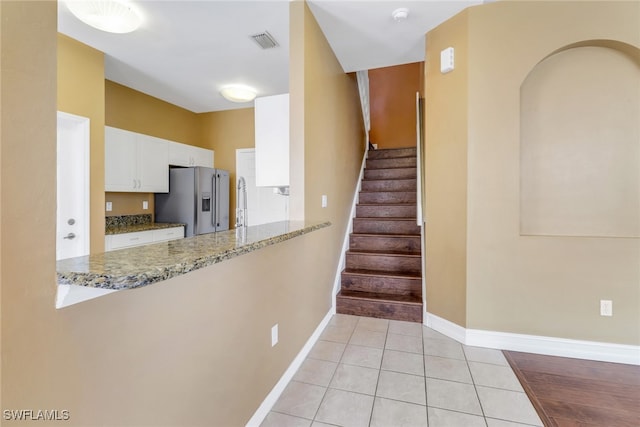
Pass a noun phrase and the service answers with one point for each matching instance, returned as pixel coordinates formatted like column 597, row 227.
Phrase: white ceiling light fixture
column 113, row 16
column 238, row 93
column 400, row 14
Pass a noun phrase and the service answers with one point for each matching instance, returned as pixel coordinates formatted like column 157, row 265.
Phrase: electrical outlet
column 109, row 207
column 324, row 200
column 145, row 205
column 274, row 335
column 606, row 307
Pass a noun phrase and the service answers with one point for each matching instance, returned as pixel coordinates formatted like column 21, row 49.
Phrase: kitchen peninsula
column 141, row 266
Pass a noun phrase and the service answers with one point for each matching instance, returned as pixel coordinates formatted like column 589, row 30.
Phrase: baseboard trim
column 552, row 346
column 262, row 411
column 337, row 284
column 446, row 327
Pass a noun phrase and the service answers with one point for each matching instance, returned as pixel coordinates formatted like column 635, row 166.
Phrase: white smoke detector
column 400, row 14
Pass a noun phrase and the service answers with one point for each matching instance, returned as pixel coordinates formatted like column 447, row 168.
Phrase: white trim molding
column 337, row 282
column 273, row 396
column 552, row 346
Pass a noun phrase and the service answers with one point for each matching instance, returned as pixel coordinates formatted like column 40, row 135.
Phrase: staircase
column 383, row 274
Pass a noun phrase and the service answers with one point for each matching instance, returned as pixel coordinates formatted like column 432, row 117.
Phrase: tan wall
column 446, row 174
column 392, row 95
column 538, row 285
column 225, row 132
column 194, row 350
column 126, row 108
column 81, row 92
column 333, row 127
column 129, row 203
column 574, row 152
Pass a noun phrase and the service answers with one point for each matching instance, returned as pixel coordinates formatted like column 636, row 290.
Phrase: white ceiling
column 185, row 51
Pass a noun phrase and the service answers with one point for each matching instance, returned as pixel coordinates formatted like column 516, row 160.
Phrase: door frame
column 81, row 127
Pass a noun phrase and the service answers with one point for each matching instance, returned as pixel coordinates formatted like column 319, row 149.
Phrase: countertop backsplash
column 126, row 220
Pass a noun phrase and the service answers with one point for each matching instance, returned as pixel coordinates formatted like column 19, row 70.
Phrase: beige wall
column 333, row 130
column 579, row 167
column 126, row 108
column 392, row 94
column 129, row 203
column 539, row 285
column 225, row 132
column 194, row 350
column 81, row 91
column 446, row 174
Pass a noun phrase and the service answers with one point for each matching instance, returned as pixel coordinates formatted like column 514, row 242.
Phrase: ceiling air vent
column 265, row 40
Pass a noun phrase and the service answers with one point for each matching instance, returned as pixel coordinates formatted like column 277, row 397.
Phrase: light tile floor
column 381, row 373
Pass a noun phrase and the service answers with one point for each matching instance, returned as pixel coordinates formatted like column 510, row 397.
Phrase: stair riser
column 396, row 173
column 383, row 285
column 382, row 243
column 382, row 310
column 388, row 197
column 387, row 154
column 385, row 211
column 388, row 263
column 389, row 185
column 372, row 226
column 402, row 162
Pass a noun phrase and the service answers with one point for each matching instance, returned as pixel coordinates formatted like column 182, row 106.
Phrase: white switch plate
column 274, row 335
column 145, row 204
column 109, row 206
column 447, row 60
column 324, row 200
column 606, row 307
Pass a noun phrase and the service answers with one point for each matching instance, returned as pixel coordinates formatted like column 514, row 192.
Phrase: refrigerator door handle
column 217, row 199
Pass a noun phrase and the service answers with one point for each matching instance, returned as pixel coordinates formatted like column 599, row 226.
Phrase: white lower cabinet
column 167, row 234
column 140, row 238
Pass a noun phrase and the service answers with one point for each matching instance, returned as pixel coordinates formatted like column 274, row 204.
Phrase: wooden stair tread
column 386, row 274
column 388, row 218
column 396, row 192
column 379, row 297
column 384, row 235
column 383, row 252
column 387, row 203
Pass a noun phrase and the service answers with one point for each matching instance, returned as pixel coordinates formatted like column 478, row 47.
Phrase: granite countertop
column 140, row 266
column 132, row 228
column 131, row 223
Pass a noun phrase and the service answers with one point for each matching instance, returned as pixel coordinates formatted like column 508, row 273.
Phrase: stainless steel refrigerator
column 197, row 197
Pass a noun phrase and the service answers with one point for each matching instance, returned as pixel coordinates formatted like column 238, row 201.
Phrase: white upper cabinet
column 153, row 164
column 272, row 140
column 135, row 162
column 188, row 155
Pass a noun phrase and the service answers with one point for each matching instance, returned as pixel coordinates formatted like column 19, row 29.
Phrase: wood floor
column 573, row 392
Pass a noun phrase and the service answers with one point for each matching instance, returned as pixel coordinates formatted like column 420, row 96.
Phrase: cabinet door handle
column 134, row 184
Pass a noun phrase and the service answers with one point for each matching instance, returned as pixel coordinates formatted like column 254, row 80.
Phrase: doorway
column 72, row 212
column 264, row 204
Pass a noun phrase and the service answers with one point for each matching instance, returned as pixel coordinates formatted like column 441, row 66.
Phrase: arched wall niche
column 580, row 142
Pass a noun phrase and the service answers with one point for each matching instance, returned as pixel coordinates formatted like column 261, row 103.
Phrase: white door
column 72, row 226
column 264, row 205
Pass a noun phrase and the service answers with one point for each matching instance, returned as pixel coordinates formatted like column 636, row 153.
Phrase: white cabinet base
column 113, row 242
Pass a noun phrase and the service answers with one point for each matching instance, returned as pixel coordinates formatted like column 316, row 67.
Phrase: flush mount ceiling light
column 238, row 93
column 400, row 14
column 113, row 16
